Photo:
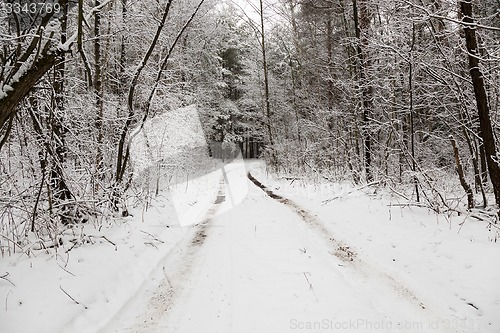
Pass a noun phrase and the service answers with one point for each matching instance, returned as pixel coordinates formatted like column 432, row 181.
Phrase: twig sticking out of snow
column 153, row 236
column 151, row 244
column 310, row 286
column 324, row 202
column 71, row 297
column 64, row 269
column 7, row 300
column 105, row 238
column 472, row 304
column 5, row 278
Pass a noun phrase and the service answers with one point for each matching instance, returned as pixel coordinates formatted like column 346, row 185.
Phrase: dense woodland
column 401, row 94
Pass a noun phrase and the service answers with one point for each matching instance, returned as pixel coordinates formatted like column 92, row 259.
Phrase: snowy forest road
column 269, row 266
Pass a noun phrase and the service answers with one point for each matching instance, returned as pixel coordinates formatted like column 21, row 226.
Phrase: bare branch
column 72, row 298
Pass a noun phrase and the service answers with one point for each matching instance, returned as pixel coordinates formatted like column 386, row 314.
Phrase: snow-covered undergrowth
column 79, row 289
column 449, row 262
column 78, row 285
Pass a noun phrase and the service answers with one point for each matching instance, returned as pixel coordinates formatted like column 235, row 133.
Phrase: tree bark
column 361, row 25
column 20, row 89
column 486, row 129
column 60, row 189
column 461, row 176
column 267, row 101
column 79, row 42
column 98, row 90
column 412, row 113
column 329, row 48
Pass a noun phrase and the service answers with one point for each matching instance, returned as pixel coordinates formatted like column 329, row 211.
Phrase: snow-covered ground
column 446, row 264
column 281, row 261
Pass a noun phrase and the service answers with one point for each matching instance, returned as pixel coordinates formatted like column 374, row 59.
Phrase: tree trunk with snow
column 267, row 101
column 361, row 26
column 486, row 128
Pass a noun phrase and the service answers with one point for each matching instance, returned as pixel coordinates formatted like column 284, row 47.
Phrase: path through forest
column 269, row 266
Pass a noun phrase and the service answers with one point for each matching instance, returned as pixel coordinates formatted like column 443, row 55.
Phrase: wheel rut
column 176, row 270
column 338, row 248
column 346, row 253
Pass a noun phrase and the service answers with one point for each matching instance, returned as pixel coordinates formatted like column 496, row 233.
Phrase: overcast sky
column 252, row 10
column 250, row 7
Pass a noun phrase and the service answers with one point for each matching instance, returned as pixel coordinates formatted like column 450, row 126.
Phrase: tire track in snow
column 201, row 233
column 172, row 287
column 347, row 254
column 175, row 271
column 339, row 249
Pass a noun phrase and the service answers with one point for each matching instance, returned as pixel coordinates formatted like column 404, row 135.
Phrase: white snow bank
column 101, row 277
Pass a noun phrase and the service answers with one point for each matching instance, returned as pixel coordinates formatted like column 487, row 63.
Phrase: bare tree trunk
column 57, row 183
column 412, row 113
column 296, row 76
column 267, row 101
column 21, row 88
column 123, row 151
column 98, row 88
column 486, row 129
column 124, row 147
column 58, row 131
column 361, row 25
column 329, row 47
column 79, row 42
column 461, row 176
